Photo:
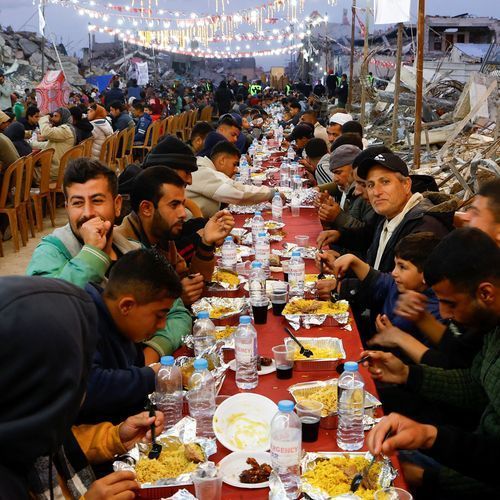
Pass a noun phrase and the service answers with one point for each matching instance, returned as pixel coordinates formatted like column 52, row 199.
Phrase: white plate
column 243, row 422
column 264, row 370
column 236, row 462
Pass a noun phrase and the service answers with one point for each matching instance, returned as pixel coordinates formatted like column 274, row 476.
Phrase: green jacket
column 474, row 387
column 61, row 255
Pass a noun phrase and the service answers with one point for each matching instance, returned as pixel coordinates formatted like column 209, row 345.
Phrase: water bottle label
column 285, row 453
column 244, row 353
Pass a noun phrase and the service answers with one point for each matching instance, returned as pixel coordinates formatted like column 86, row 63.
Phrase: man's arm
column 166, row 341
column 242, row 194
column 55, row 134
column 89, row 265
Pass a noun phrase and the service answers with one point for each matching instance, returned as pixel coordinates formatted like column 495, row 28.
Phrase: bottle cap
column 351, row 366
column 245, row 320
column 200, row 364
column 167, row 360
column 256, row 265
column 203, row 315
column 258, row 212
column 286, row 406
column 262, row 233
column 296, row 253
column 228, row 238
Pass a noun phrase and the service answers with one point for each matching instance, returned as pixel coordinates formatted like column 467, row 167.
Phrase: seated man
column 84, row 250
column 228, row 127
column 317, row 161
column 158, row 215
column 311, row 117
column 141, row 289
column 301, row 134
column 121, row 118
column 468, row 290
column 334, row 129
column 198, row 134
column 213, row 183
column 144, row 120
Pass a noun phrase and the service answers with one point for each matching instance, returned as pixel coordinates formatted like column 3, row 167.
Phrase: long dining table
column 272, row 334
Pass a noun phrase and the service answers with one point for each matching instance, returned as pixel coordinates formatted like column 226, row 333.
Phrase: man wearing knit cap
column 172, row 152
column 56, row 132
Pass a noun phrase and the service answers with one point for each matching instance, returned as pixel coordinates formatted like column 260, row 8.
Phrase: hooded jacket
column 434, row 213
column 210, row 188
column 83, row 130
column 62, row 255
column 15, row 132
column 48, row 337
column 123, row 121
column 141, row 128
column 100, row 131
column 119, row 383
column 60, row 138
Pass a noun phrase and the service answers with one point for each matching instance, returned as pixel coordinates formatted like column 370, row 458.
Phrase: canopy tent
column 53, row 92
column 101, row 82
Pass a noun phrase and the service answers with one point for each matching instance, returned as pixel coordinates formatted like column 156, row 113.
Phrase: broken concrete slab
column 28, row 47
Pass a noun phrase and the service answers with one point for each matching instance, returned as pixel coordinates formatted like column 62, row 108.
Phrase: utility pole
column 90, row 51
column 395, row 109
column 365, row 55
column 42, row 45
column 419, row 82
column 351, row 63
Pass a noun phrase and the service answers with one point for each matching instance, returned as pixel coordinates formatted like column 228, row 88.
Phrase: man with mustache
column 84, row 250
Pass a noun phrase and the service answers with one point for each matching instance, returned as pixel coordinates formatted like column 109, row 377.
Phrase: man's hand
column 192, row 288
column 328, row 213
column 322, row 199
column 138, row 428
column 387, row 334
column 342, row 264
column 324, row 287
column 406, row 435
column 119, row 485
column 150, row 356
column 386, row 367
column 94, row 232
column 328, row 258
column 326, row 238
column 411, row 305
column 218, row 227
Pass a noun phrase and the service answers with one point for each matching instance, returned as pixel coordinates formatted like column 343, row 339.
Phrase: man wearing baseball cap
column 389, row 190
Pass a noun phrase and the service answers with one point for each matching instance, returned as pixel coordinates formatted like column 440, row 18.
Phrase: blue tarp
column 101, row 82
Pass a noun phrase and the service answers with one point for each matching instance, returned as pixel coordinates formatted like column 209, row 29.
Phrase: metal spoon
column 305, row 352
column 358, row 478
column 156, row 448
column 340, row 367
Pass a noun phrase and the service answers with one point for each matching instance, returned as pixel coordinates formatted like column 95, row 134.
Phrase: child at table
column 380, row 292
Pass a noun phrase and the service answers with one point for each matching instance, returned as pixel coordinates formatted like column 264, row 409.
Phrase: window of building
column 461, row 38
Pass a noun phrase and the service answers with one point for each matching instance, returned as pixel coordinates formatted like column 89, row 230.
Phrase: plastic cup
column 284, row 266
column 279, row 297
column 392, row 494
column 302, row 241
column 207, row 488
column 309, row 413
column 284, row 361
column 259, row 311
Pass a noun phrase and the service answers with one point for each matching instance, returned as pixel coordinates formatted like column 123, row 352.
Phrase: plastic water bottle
column 296, row 274
column 203, row 333
column 229, row 254
column 286, row 447
column 351, row 408
column 201, row 398
column 258, row 225
column 257, row 284
column 277, row 207
column 295, row 203
column 264, row 143
column 263, row 252
column 290, row 153
column 169, row 391
column 284, row 174
column 296, row 183
column 246, row 354
column 244, row 169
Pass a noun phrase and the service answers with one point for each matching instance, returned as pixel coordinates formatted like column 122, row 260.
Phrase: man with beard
column 464, row 272
column 157, row 216
column 84, row 250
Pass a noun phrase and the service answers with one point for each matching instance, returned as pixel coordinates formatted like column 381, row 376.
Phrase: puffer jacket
column 102, row 129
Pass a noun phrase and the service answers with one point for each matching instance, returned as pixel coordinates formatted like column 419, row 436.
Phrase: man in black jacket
column 389, row 190
column 141, row 289
column 114, row 94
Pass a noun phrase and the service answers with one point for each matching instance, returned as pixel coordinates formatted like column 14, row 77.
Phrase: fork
column 305, row 352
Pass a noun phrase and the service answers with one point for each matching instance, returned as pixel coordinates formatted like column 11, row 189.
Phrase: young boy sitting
column 380, row 293
column 141, row 289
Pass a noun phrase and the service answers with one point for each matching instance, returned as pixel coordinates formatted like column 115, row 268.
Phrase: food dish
column 307, row 306
column 332, row 476
column 243, row 422
column 233, row 464
column 264, row 370
column 225, row 277
column 224, row 332
column 175, row 459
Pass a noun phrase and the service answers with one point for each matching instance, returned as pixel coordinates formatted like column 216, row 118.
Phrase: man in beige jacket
column 56, row 132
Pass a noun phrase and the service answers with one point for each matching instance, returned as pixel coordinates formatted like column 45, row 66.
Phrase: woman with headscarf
column 15, row 132
column 83, row 128
column 48, row 336
column 101, row 128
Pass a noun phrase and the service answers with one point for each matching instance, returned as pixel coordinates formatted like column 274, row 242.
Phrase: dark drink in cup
column 278, row 308
column 284, row 372
column 285, row 276
column 259, row 314
column 310, row 428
